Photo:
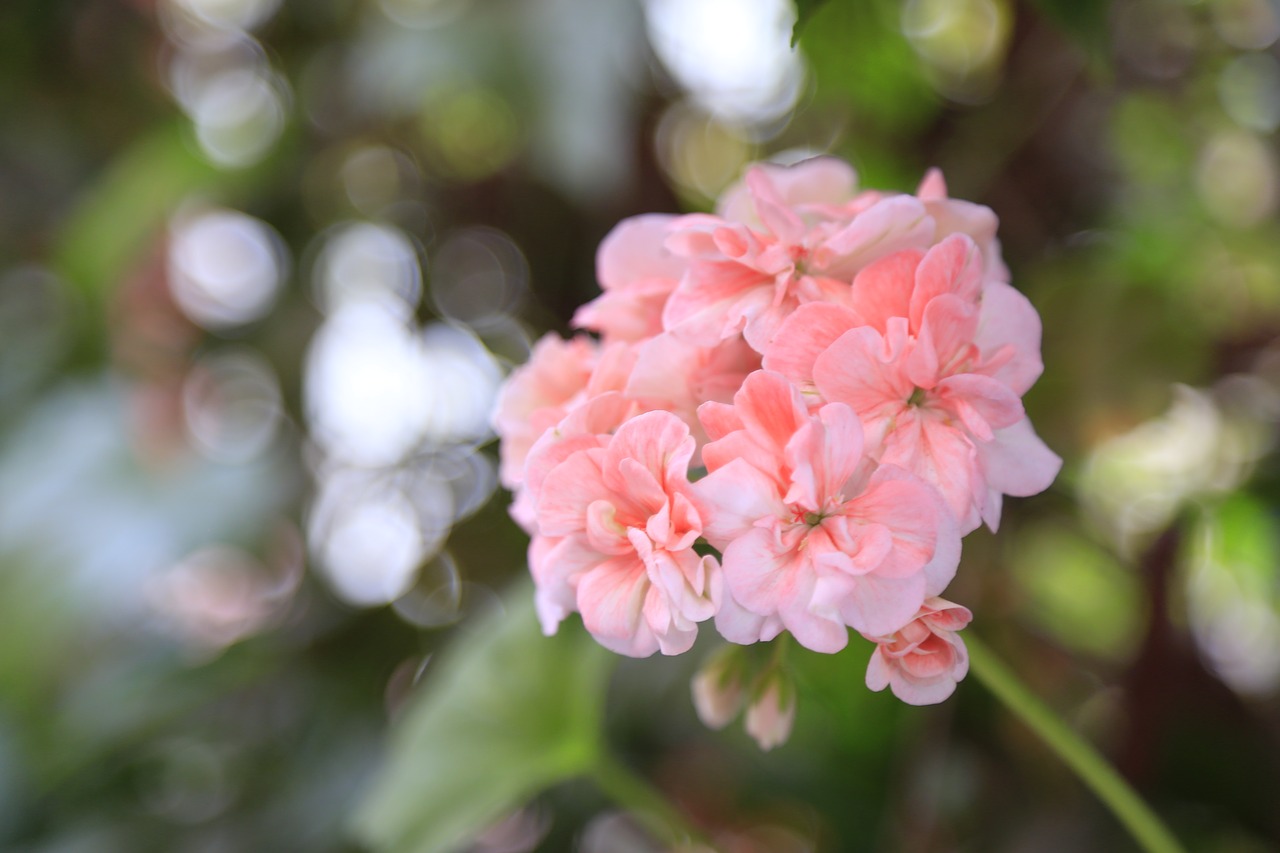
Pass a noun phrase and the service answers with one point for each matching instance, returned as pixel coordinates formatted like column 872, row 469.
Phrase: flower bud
column 925, row 659
column 771, row 713
column 717, row 688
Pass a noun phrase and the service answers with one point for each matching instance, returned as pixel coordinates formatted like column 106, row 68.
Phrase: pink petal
column 878, row 605
column 634, row 251
column 771, row 208
column 657, row 441
column 770, row 407
column 568, row 490
column 604, row 533
column 924, row 692
column 764, row 573
column 942, row 456
column 719, row 419
column 840, row 544
column 933, row 187
column 611, row 598
column 739, row 625
column 803, row 336
column 630, row 314
column 748, row 446
column 823, row 455
column 735, row 497
column 714, row 300
column 883, row 288
column 864, row 369
column 878, row 671
column 954, row 266
column 1017, row 462
column 948, row 328
column 982, row 403
column 890, row 225
column 1007, row 318
column 909, row 510
column 818, row 181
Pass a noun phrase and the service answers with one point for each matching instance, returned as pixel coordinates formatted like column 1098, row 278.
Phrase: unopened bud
column 771, row 713
column 717, row 688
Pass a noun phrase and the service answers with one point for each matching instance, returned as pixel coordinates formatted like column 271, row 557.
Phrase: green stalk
column 1091, row 767
column 647, row 803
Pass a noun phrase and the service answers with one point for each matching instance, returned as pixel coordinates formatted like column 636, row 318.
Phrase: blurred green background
column 264, row 262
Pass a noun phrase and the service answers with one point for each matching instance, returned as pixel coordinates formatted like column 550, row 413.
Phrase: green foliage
column 1078, row 592
column 127, row 204
column 804, row 11
column 1234, row 563
column 1084, row 20
column 860, row 59
column 507, row 714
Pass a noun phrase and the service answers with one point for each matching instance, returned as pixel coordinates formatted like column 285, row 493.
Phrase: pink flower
column 537, row 395
column 745, row 278
column 637, row 274
column 616, row 526
column 922, row 662
column 598, row 409
column 814, row 537
column 679, row 377
column 934, row 366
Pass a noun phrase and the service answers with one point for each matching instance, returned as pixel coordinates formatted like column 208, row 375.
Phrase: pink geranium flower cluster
column 787, row 415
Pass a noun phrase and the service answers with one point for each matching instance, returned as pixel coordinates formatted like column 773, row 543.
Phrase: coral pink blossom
column 616, row 527
column 922, row 662
column 746, row 279
column 847, row 366
column 813, row 537
column 637, row 274
column 925, row 357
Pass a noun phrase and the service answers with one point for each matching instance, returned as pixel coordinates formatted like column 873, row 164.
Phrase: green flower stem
column 644, row 801
column 1091, row 767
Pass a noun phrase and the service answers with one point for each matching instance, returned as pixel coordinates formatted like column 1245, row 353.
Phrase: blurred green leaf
column 861, row 61
column 506, row 714
column 1077, row 592
column 132, row 198
column 1236, row 551
column 804, row 10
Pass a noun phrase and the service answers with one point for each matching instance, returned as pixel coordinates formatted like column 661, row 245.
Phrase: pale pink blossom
column 922, row 662
column 537, row 395
column 597, row 410
column 772, row 712
column 636, row 274
column 746, row 278
column 616, row 526
column 814, row 537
